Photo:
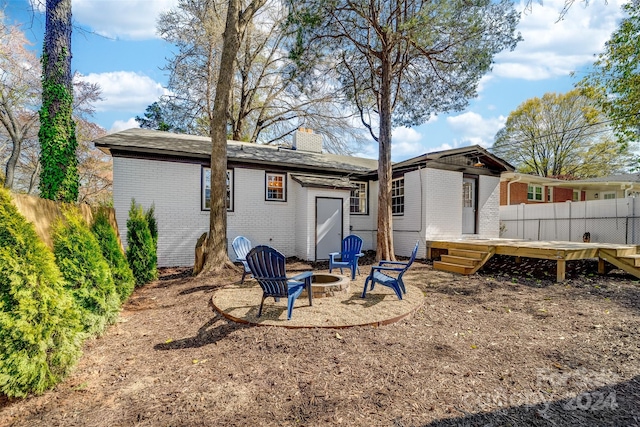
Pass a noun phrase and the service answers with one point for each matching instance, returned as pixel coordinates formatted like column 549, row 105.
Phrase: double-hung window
column 276, row 187
column 206, row 189
column 359, row 199
column 397, row 196
column 608, row 195
column 534, row 193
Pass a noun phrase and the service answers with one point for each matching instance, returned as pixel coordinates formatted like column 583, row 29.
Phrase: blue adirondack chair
column 349, row 256
column 268, row 267
column 241, row 247
column 389, row 273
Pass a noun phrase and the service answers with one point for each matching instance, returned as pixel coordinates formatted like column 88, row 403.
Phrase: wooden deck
column 468, row 256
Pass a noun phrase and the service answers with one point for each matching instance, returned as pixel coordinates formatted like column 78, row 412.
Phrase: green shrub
column 150, row 216
column 86, row 273
column 110, row 246
column 40, row 330
column 140, row 246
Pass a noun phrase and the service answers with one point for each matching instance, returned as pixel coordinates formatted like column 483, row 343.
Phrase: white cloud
column 125, row 90
column 127, row 19
column 406, row 143
column 550, row 48
column 474, row 129
column 119, row 125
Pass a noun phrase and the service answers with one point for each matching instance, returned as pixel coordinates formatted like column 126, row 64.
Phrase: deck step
column 466, row 253
column 633, row 260
column 463, row 261
column 453, row 268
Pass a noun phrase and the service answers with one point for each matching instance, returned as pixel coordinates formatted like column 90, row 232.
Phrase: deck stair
column 626, row 260
column 464, row 261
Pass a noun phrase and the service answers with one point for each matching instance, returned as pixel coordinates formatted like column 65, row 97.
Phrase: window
column 276, row 187
column 609, row 195
column 397, row 196
column 549, row 194
column 359, row 198
column 576, row 195
column 206, row 189
column 534, row 193
column 467, row 197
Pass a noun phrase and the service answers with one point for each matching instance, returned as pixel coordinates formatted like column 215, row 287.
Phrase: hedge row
column 50, row 301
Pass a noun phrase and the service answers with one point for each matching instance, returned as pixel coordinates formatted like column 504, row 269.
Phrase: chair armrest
column 302, row 276
column 359, row 255
column 378, row 267
column 333, row 255
column 393, row 262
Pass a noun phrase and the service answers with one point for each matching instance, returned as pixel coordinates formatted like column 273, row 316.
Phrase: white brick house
column 298, row 199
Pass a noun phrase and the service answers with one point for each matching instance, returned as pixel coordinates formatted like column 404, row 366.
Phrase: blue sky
column 120, row 51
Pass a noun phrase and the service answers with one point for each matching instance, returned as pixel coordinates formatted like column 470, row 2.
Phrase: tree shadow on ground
column 216, row 329
column 614, row 405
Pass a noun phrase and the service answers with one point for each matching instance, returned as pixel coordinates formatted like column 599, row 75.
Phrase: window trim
column 365, row 194
column 534, row 193
column 203, row 188
column 576, row 195
column 397, row 196
column 266, row 186
column 549, row 194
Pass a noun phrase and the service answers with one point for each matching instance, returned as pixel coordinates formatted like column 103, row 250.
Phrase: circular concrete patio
column 240, row 303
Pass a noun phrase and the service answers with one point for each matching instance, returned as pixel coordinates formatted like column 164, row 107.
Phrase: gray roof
column 145, row 141
column 322, row 182
column 623, row 177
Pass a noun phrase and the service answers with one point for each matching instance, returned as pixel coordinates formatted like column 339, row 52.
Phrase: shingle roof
column 165, row 143
column 322, row 182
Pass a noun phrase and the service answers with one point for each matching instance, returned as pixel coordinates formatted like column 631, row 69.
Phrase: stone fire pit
column 328, row 285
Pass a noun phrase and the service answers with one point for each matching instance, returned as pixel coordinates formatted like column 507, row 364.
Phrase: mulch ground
column 505, row 347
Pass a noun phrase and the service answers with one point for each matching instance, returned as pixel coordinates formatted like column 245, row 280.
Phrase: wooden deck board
column 553, row 250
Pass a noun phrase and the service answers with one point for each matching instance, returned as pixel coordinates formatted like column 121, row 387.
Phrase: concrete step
column 468, row 262
column 453, row 268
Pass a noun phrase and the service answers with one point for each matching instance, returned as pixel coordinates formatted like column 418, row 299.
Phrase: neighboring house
column 298, row 199
column 517, row 188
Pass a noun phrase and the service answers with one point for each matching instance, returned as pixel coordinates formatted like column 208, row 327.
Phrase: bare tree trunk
column 384, row 247
column 216, row 252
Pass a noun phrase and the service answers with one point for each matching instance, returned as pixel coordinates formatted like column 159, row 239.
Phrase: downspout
column 519, row 177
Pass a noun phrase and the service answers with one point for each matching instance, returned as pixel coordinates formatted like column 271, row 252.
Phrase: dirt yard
column 505, row 347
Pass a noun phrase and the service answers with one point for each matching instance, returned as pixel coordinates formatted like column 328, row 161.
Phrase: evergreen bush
column 86, row 273
column 40, row 330
column 150, row 216
column 140, row 246
column 110, row 246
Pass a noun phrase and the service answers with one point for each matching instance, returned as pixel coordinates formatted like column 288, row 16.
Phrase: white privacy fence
column 608, row 221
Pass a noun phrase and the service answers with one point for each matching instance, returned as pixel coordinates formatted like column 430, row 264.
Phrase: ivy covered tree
column 59, row 165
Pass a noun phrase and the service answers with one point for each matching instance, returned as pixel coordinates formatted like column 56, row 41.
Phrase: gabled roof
column 630, row 181
column 138, row 141
column 471, row 158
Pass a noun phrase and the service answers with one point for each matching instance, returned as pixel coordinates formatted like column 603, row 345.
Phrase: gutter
column 519, row 177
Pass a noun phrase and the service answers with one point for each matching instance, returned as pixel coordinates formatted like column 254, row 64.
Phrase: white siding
column 409, row 228
column 443, row 204
column 262, row 222
column 488, row 207
column 365, row 225
column 177, row 204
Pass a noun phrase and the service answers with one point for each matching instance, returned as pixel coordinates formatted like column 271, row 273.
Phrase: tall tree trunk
column 59, row 176
column 384, row 247
column 216, row 254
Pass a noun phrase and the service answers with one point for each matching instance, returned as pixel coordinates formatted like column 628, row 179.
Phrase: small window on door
column 467, row 195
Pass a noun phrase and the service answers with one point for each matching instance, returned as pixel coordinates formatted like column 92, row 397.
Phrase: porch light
column 478, row 163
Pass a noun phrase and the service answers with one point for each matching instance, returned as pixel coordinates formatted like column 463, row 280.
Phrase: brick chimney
column 306, row 140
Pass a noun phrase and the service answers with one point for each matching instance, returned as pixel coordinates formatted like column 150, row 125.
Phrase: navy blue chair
column 268, row 267
column 389, row 273
column 241, row 247
column 349, row 256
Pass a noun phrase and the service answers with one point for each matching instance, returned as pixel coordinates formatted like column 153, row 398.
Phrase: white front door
column 469, row 205
column 328, row 226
